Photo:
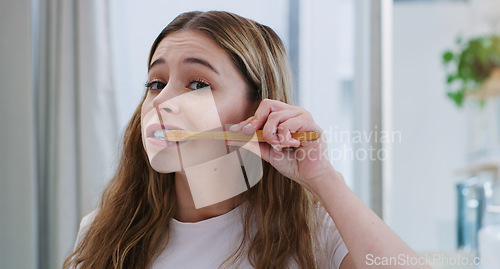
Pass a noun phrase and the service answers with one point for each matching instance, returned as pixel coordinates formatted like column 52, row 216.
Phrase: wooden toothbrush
column 182, row 135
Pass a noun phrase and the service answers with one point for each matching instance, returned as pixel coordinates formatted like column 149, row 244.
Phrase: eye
column 197, row 84
column 155, row 85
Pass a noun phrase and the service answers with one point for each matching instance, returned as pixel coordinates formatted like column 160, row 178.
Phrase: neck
column 186, row 210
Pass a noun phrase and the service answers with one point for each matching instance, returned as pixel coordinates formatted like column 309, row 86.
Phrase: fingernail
column 276, row 148
column 294, row 140
column 234, row 128
column 248, row 129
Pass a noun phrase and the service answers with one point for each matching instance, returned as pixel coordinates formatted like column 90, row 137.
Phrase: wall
column 17, row 172
column 326, row 74
column 423, row 202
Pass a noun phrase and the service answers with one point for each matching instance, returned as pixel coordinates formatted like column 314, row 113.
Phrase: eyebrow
column 157, row 62
column 187, row 60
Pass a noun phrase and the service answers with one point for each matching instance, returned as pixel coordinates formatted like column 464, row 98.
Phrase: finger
column 301, row 123
column 238, row 126
column 285, row 131
column 266, row 106
column 270, row 129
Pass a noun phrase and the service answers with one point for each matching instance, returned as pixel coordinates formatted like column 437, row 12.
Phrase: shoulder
column 324, row 223
column 84, row 226
column 87, row 219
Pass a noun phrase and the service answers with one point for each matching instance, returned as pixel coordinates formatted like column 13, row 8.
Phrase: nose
column 167, row 100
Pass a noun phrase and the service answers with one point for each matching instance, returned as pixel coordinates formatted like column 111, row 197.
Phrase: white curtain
column 76, row 119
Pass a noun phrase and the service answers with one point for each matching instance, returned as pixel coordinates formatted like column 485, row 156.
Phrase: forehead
column 188, row 43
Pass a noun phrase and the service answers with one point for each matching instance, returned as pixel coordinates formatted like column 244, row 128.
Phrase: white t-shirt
column 207, row 243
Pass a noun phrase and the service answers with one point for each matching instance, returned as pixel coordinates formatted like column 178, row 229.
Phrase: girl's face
column 193, row 86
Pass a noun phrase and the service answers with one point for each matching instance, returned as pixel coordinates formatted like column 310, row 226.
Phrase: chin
column 162, row 163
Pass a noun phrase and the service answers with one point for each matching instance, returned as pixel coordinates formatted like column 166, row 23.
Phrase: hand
column 303, row 161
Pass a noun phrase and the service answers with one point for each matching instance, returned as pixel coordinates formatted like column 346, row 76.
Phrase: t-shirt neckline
column 226, row 218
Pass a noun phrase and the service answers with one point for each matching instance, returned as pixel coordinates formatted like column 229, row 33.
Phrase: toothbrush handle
column 300, row 136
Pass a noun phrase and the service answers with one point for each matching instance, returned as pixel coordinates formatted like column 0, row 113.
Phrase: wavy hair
column 131, row 227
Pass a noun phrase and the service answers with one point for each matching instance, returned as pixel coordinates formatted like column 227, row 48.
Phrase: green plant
column 470, row 65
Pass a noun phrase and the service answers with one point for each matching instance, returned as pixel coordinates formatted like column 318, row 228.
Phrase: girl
column 207, row 71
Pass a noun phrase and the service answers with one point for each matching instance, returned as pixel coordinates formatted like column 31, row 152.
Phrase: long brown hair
column 131, row 227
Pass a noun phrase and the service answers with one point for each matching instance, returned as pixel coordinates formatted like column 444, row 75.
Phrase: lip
column 150, row 129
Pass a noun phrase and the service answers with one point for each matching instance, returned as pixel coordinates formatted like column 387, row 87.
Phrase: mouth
column 155, row 133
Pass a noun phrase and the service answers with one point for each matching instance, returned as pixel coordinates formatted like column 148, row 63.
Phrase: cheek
column 147, row 107
column 232, row 106
column 144, row 108
column 235, row 112
column 144, row 112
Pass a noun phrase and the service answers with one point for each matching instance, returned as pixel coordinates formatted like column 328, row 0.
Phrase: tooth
column 160, row 134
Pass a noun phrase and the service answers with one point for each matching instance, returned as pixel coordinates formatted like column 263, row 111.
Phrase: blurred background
column 406, row 90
